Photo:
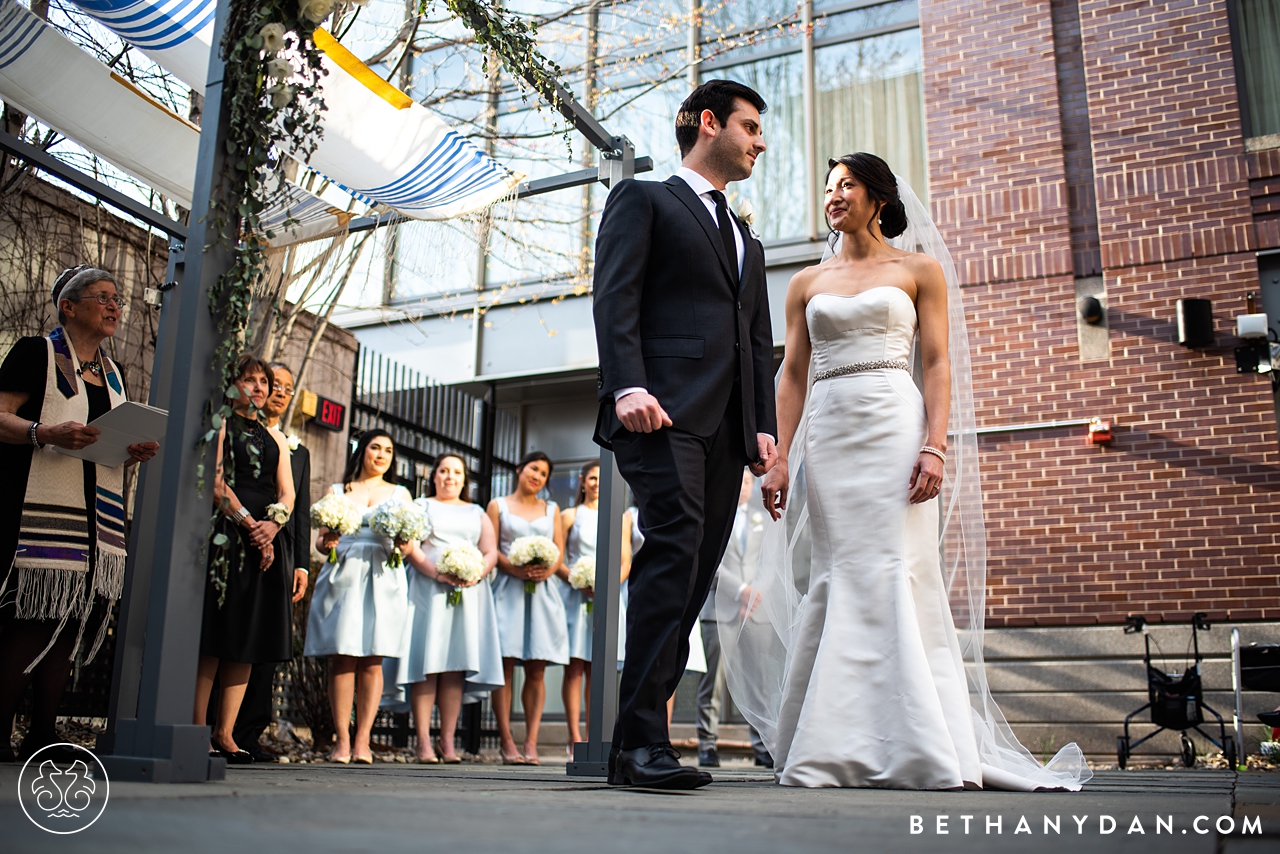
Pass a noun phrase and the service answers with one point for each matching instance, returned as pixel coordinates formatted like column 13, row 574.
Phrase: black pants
column 255, row 709
column 686, row 488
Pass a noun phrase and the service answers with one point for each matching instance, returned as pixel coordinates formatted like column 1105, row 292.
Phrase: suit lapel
column 685, row 194
column 749, row 251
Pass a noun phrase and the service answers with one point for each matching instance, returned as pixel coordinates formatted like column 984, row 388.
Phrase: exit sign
column 330, row 414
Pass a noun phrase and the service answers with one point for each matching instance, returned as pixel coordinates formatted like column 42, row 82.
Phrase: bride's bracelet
column 929, row 449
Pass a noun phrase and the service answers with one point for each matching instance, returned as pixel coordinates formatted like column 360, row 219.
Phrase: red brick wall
column 1178, row 514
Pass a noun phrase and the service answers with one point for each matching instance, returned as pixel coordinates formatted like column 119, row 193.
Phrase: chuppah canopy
column 379, row 144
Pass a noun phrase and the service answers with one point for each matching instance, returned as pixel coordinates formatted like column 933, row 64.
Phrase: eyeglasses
column 285, row 390
column 103, row 299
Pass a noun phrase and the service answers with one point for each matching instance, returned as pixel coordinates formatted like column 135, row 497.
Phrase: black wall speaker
column 1195, row 322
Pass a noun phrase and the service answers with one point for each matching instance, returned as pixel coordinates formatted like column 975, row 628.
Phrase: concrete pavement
column 487, row 808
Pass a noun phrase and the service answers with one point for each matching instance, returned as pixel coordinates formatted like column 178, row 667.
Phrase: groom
column 686, row 398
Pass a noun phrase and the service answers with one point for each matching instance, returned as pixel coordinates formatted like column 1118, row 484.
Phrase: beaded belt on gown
column 857, row 367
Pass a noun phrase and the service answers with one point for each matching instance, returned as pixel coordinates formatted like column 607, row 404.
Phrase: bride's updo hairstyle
column 882, row 186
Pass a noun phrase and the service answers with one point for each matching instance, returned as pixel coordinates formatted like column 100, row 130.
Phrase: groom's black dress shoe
column 654, row 766
column 1271, row 719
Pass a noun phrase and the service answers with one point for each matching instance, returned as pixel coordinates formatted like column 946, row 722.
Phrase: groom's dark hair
column 718, row 96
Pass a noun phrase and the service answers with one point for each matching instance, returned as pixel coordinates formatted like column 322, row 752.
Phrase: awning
column 378, row 144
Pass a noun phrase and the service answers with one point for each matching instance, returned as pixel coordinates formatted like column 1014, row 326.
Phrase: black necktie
column 726, row 231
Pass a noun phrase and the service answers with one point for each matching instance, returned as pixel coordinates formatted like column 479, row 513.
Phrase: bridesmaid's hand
column 329, row 540
column 774, row 489
column 926, row 479
column 446, row 578
column 536, row 572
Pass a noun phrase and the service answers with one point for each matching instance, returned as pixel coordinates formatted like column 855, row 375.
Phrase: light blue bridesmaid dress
column 359, row 604
column 579, row 542
column 443, row 638
column 531, row 626
column 697, row 653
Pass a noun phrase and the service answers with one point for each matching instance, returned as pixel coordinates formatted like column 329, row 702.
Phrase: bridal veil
column 756, row 648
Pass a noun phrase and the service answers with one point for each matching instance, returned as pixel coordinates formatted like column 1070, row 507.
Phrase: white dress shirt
column 703, row 188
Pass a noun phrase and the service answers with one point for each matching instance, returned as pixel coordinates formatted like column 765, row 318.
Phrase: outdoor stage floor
column 485, row 808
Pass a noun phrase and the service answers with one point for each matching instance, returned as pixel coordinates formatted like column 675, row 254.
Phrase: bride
column 863, row 665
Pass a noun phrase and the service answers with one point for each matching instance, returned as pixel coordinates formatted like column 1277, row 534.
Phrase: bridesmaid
column 579, row 523
column 447, row 646
column 632, row 540
column 359, row 606
column 531, row 626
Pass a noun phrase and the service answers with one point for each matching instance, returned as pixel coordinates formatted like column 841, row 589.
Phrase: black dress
column 25, row 370
column 254, row 622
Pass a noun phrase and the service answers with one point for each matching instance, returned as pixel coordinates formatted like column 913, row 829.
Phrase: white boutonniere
column 293, row 441
column 747, row 213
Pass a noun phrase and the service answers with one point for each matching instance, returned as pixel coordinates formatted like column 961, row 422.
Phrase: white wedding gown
column 876, row 692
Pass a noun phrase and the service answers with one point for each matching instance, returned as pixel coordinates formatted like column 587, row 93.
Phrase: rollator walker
column 1176, row 701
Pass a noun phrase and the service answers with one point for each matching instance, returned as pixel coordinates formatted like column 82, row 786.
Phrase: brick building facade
column 1097, row 148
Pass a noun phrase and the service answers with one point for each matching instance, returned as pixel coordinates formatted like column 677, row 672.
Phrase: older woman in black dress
column 247, row 610
column 61, row 518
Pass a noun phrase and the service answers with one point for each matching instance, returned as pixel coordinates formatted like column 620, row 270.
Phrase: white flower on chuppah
column 278, row 68
column 272, row 38
column 281, row 95
column 315, row 11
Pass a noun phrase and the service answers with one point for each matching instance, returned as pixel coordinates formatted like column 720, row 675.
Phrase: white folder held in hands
column 128, row 424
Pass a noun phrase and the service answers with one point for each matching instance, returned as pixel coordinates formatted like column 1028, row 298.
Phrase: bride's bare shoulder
column 925, row 269
column 801, row 281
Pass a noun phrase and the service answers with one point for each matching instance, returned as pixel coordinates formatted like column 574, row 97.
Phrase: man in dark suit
column 255, row 710
column 686, row 397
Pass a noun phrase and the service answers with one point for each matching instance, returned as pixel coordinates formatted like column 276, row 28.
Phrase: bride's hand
column 774, row 489
column 926, row 479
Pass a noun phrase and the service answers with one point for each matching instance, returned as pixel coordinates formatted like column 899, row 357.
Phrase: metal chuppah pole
column 153, row 738
column 590, row 759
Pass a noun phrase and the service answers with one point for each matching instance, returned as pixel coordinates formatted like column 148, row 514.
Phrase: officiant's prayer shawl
column 52, row 577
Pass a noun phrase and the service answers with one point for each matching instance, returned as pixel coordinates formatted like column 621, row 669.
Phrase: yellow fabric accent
column 348, row 62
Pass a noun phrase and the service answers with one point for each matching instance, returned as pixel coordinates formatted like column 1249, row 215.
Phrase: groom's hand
column 768, row 450
column 640, row 412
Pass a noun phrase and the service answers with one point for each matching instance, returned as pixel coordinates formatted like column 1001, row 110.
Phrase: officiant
column 62, row 519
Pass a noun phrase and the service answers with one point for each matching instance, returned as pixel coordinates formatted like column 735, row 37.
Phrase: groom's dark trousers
column 674, row 317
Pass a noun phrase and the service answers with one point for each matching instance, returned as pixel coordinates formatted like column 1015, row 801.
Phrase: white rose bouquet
column 402, row 522
column 583, row 575
column 464, row 563
column 338, row 515
column 527, row 551
column 278, row 513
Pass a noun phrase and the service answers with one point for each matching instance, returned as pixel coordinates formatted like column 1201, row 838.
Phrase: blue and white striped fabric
column 309, row 217
column 159, row 26
column 45, row 75
column 405, row 160
column 19, row 30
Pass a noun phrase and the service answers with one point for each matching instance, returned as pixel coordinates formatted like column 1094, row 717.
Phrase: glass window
column 859, row 20
column 1259, row 41
column 776, row 186
column 870, row 97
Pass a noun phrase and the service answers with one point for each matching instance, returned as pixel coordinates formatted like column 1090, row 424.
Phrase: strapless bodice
column 877, row 324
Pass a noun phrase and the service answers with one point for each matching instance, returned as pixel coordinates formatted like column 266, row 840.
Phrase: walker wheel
column 1188, row 752
column 1229, row 751
column 1122, row 751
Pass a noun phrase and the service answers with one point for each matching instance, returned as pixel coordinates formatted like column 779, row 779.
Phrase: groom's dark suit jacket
column 670, row 315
